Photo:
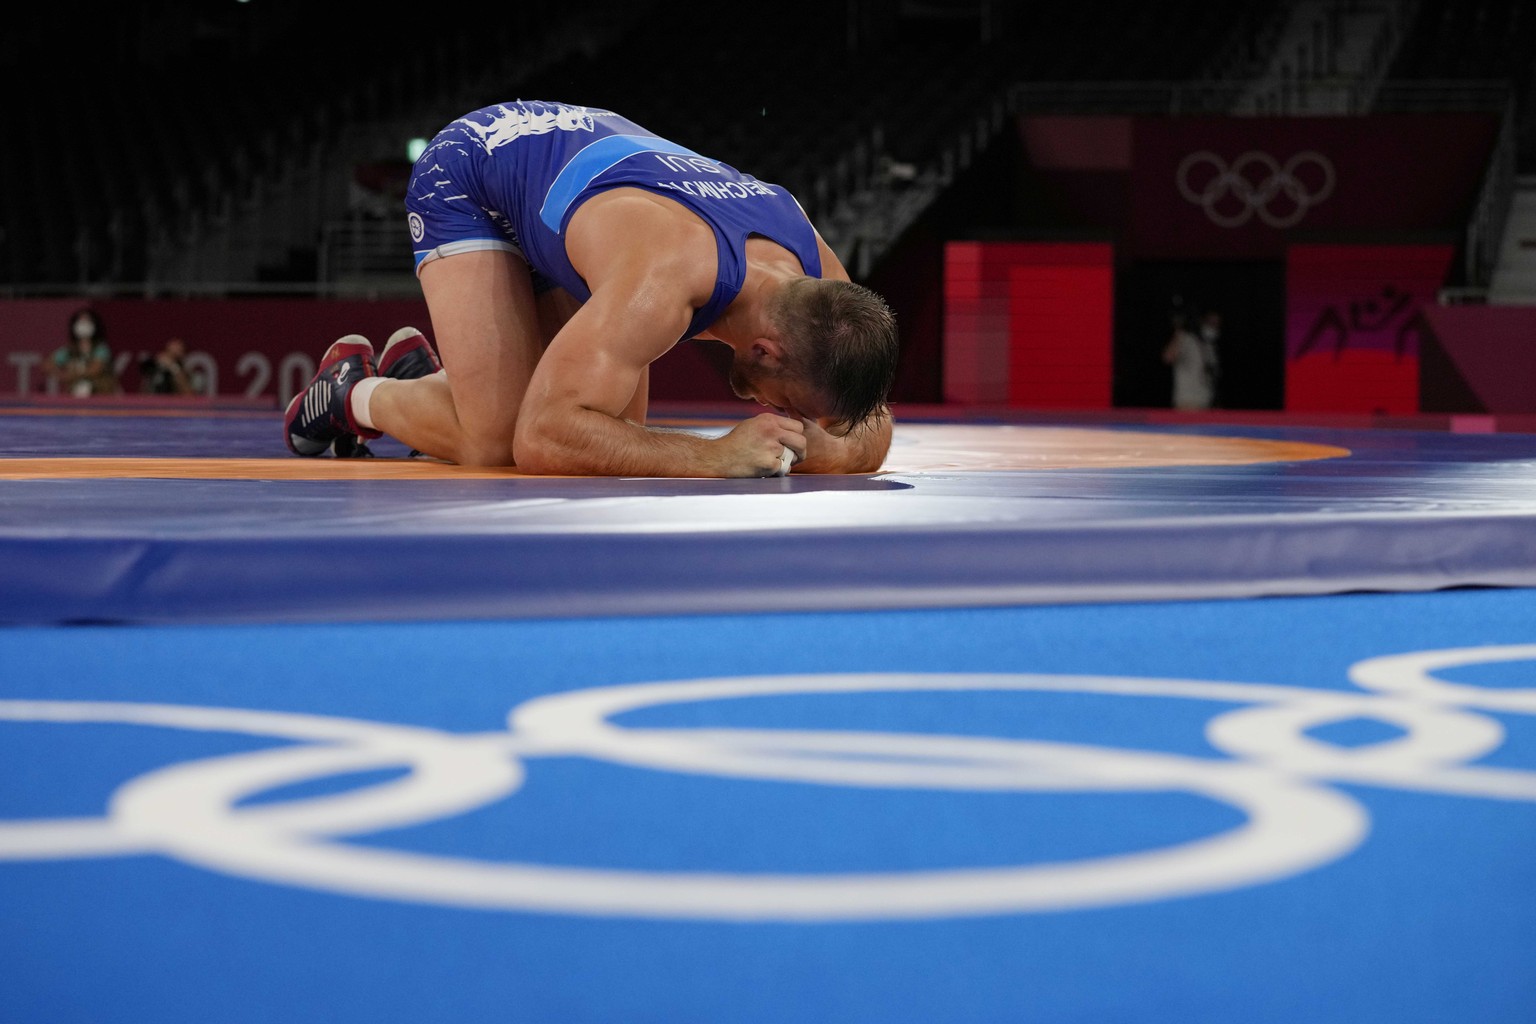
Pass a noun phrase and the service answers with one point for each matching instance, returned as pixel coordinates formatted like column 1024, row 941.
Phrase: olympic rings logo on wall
column 1275, row 773
column 1256, row 184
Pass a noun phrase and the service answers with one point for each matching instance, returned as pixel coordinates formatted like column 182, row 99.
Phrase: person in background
column 166, row 372
column 1192, row 355
column 82, row 366
column 1210, row 342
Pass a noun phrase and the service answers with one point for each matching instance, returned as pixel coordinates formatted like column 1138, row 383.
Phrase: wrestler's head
column 836, row 358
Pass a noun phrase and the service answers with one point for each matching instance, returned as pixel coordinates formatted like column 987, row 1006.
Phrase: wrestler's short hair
column 841, row 337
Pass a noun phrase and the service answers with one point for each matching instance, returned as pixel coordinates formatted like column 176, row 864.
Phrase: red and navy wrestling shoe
column 320, row 414
column 408, row 355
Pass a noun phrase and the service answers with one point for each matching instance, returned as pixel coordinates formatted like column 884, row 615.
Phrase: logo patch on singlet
column 508, row 124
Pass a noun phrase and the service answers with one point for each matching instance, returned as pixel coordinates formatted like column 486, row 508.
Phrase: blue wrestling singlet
column 510, row 176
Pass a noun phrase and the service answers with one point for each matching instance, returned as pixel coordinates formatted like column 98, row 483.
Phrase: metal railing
column 1320, row 65
column 1490, row 213
column 364, row 256
column 1217, row 97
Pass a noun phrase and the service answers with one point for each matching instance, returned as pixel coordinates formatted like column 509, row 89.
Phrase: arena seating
column 141, row 116
column 1458, row 40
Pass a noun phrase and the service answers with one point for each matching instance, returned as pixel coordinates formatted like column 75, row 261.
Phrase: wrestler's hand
column 755, row 447
column 824, row 453
column 861, row 450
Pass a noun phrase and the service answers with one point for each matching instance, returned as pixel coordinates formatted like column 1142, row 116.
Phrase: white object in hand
column 786, row 459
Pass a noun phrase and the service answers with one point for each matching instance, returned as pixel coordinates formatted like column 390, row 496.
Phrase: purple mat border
column 1408, row 511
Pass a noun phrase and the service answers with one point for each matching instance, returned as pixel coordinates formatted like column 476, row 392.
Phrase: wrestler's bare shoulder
column 630, row 227
column 626, row 210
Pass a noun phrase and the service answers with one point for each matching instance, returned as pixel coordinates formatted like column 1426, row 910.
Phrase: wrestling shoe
column 408, row 355
column 350, row 446
column 320, row 414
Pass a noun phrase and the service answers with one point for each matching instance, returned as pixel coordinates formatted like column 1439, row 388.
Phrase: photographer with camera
column 166, row 372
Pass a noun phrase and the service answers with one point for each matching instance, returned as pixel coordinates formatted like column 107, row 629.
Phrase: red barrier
column 1028, row 324
column 265, row 349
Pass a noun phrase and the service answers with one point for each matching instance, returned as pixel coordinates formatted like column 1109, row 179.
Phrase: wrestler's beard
column 741, row 382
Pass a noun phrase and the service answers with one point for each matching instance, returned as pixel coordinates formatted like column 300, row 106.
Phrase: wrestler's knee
column 487, row 450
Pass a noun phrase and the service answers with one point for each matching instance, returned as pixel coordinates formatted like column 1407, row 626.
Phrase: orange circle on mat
column 916, row 448
column 953, row 447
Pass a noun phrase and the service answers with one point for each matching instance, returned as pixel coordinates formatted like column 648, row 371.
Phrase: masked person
column 82, row 366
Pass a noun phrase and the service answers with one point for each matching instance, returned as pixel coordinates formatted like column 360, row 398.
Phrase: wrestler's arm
column 556, row 307
column 574, row 417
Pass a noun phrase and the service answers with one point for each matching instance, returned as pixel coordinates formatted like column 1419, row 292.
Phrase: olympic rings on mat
column 1275, row 774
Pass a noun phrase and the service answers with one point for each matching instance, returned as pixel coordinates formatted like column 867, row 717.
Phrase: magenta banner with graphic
column 1246, row 187
column 1355, row 325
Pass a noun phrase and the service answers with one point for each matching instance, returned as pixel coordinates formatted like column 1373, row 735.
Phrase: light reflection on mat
column 916, row 448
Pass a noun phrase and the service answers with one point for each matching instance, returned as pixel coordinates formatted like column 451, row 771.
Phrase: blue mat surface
column 1392, row 510
column 1290, row 809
